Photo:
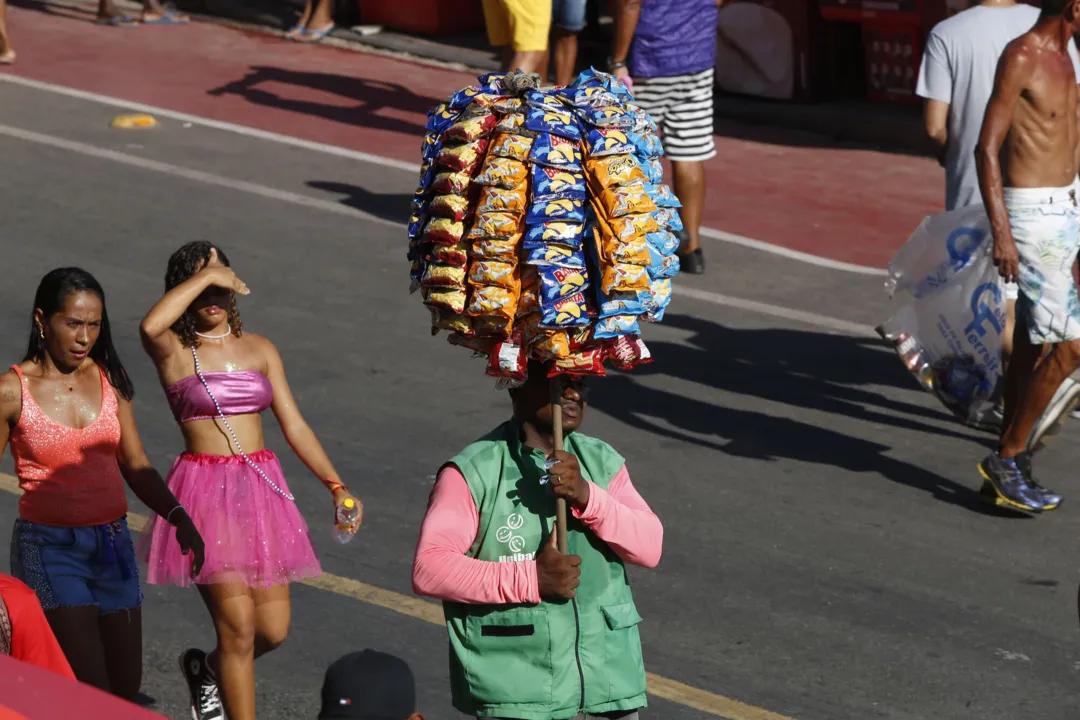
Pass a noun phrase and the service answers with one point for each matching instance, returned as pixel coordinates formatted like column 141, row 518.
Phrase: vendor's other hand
column 1007, row 259
column 556, row 574
column 566, row 480
column 623, row 75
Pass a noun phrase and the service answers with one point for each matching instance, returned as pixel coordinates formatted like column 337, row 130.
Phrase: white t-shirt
column 958, row 67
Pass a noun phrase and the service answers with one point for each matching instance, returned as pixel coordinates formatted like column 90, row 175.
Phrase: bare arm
column 10, row 406
column 146, row 482
column 298, row 433
column 936, row 121
column 1014, row 72
column 627, row 13
column 154, row 330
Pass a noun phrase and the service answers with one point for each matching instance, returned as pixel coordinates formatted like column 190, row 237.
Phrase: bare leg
column 1007, row 336
column 1059, row 364
column 121, row 637
column 302, row 22
column 564, row 55
column 233, row 611
column 252, row 623
column 690, row 189
column 322, row 17
column 1018, row 372
column 77, row 631
column 7, row 52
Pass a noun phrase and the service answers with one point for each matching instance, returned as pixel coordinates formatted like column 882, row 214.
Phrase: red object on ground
column 782, row 187
column 424, row 17
column 38, row 694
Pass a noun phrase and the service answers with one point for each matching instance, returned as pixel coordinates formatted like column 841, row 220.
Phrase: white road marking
column 777, row 311
column 389, row 162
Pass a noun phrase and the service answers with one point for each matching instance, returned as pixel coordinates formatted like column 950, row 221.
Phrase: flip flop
column 119, row 21
column 314, row 36
column 297, row 31
column 8, row 58
column 169, row 18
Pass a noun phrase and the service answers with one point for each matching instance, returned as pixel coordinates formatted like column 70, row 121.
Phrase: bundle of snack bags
column 541, row 226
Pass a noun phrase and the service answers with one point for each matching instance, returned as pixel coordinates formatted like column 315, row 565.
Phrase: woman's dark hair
column 52, row 292
column 1053, row 8
column 183, row 265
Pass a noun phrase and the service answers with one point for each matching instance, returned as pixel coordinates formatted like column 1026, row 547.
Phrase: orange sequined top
column 69, row 476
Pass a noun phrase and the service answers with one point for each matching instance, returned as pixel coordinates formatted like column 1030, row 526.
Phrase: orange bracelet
column 335, row 486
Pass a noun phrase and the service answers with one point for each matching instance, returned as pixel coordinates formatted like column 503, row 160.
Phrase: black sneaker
column 690, row 261
column 205, row 698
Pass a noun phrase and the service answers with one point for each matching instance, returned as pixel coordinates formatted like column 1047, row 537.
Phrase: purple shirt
column 674, row 37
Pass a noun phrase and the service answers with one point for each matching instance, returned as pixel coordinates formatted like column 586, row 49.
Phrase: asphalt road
column 825, row 557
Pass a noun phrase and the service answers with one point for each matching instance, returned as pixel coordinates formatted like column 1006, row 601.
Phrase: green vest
column 552, row 660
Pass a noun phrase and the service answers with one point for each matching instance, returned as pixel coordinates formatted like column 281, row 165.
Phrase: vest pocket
column 626, row 669
column 509, row 659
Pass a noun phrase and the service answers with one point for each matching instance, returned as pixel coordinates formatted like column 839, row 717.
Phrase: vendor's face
column 532, row 402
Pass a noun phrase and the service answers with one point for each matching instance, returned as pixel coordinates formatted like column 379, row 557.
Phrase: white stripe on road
column 338, row 208
column 387, row 162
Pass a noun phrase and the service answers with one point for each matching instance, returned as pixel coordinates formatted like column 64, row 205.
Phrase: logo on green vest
column 508, row 536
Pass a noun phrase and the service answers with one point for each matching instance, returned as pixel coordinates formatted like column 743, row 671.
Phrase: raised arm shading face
column 1014, row 73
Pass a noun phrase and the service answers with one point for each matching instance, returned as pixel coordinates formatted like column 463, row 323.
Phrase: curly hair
column 183, row 265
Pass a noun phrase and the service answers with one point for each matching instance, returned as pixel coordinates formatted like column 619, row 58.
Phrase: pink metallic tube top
column 243, row 392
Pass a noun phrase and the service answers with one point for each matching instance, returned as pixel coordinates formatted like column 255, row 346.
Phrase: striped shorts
column 682, row 107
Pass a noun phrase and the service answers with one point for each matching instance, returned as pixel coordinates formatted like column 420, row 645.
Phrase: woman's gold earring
column 41, row 332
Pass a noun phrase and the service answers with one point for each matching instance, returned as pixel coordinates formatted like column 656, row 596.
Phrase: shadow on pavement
column 804, row 369
column 388, row 207
column 269, row 86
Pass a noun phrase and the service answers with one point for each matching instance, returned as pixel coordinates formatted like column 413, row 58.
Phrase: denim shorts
column 569, row 15
column 77, row 566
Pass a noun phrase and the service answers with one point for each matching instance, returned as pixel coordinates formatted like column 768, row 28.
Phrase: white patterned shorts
column 1046, row 227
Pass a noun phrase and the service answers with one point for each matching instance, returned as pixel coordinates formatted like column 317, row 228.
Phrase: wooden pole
column 557, row 432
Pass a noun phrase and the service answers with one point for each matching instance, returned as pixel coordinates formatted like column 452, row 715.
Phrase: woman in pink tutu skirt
column 218, row 379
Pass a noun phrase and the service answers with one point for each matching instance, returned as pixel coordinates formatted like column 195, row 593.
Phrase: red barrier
column 32, row 693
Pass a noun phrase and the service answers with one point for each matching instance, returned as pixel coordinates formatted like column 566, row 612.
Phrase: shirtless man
column 1027, row 160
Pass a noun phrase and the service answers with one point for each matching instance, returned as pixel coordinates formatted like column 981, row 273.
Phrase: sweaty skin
column 1029, row 134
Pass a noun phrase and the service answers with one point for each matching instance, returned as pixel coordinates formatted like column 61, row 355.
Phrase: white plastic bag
column 948, row 304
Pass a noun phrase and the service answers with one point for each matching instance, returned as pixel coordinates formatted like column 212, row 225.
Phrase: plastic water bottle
column 346, row 516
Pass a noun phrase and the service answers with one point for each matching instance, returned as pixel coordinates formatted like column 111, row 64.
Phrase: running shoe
column 1008, row 488
column 1061, row 405
column 1051, row 499
column 690, row 261
column 205, row 698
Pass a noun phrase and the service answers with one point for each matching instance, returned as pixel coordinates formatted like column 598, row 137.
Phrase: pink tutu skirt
column 253, row 535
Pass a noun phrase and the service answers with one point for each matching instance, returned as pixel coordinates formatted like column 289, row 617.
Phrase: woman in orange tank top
column 66, row 412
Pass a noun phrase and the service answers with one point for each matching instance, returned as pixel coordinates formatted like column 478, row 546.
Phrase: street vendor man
column 1027, row 159
column 536, row 634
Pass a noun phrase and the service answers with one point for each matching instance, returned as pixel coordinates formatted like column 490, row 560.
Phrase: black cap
column 368, row 685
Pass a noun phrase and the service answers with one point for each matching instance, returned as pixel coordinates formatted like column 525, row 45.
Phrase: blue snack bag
column 612, row 116
column 663, row 242
column 647, row 144
column 654, row 170
column 465, row 96
column 662, row 266
column 661, row 195
column 615, row 326
column 557, row 121
column 560, row 232
column 660, row 297
column 608, row 141
column 557, row 283
column 440, row 118
column 669, row 218
column 540, row 99
column 622, row 303
column 553, row 255
column 549, row 210
column 571, row 311
column 557, row 182
column 554, row 151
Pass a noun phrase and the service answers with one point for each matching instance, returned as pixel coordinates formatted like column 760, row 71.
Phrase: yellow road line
column 659, row 686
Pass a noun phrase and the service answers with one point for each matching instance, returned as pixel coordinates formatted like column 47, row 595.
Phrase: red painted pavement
column 851, row 205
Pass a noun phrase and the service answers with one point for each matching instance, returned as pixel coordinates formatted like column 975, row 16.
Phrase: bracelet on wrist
column 335, row 486
column 613, row 66
column 168, row 517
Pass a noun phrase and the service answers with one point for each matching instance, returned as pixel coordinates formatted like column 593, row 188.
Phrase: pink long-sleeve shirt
column 618, row 516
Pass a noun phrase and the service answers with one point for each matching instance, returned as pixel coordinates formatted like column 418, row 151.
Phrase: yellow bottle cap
column 349, row 503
